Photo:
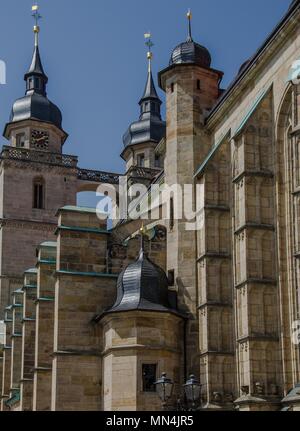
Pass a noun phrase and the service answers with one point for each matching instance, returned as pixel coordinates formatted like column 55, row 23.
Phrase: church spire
column 150, row 102
column 36, row 78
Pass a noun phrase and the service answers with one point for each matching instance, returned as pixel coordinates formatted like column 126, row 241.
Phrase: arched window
column 39, row 193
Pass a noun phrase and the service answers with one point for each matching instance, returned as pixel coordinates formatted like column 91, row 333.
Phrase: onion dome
column 35, row 105
column 190, row 51
column 150, row 127
column 142, row 286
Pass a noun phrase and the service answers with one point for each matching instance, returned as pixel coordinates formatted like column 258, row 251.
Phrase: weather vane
column 37, row 17
column 149, row 44
column 189, row 17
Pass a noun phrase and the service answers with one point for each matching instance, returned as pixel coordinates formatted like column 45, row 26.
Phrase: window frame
column 145, row 364
column 38, row 201
column 138, row 158
column 18, row 139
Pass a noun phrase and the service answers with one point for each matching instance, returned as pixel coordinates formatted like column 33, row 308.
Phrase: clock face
column 39, row 139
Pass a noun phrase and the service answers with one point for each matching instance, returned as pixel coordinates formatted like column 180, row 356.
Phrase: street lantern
column 192, row 390
column 164, row 388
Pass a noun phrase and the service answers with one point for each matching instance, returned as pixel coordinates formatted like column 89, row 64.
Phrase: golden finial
column 37, row 17
column 189, row 17
column 143, row 231
column 150, row 44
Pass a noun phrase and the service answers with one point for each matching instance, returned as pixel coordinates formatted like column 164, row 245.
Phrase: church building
column 166, row 312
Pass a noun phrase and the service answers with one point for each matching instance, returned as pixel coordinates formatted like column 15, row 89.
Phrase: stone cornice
column 215, row 353
column 21, row 223
column 249, row 173
column 252, row 226
column 262, row 281
column 258, row 337
column 215, row 304
column 213, row 255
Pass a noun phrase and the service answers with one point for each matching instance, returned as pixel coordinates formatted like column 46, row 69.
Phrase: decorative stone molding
column 34, row 156
column 31, row 224
column 98, row 176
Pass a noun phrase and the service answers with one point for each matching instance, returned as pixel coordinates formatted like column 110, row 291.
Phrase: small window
column 31, row 83
column 171, row 214
column 38, row 194
column 157, row 161
column 141, row 160
column 20, row 140
column 172, row 87
column 171, row 277
column 149, row 377
column 198, row 84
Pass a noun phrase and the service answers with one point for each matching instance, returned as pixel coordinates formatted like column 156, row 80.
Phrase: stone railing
column 23, row 154
column 146, row 173
column 98, row 176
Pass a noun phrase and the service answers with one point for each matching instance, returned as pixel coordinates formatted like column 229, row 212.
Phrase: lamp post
column 192, row 393
column 164, row 388
column 192, row 390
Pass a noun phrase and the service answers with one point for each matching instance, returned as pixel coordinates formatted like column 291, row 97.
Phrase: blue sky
column 94, row 54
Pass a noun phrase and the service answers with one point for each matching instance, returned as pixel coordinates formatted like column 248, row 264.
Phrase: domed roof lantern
column 190, row 51
column 35, row 105
column 142, row 285
column 150, row 127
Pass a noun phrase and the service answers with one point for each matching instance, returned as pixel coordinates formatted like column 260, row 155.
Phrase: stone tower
column 35, row 178
column 192, row 88
column 142, row 338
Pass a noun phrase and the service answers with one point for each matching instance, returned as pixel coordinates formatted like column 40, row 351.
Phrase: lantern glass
column 164, row 388
column 192, row 389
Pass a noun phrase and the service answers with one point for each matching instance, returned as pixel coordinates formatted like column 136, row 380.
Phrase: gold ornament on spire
column 37, row 17
column 189, row 17
column 149, row 44
column 143, row 229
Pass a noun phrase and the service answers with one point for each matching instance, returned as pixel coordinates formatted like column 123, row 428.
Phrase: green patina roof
column 78, row 209
column 14, row 399
column 211, row 154
column 31, row 271
column 217, row 145
column 47, row 261
column 82, row 229
column 88, row 274
column 251, row 111
column 18, row 291
column 48, row 244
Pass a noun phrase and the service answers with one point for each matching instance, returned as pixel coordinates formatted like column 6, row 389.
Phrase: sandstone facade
column 234, row 280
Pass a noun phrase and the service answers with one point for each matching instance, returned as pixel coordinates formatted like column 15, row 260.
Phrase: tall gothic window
column 38, row 194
